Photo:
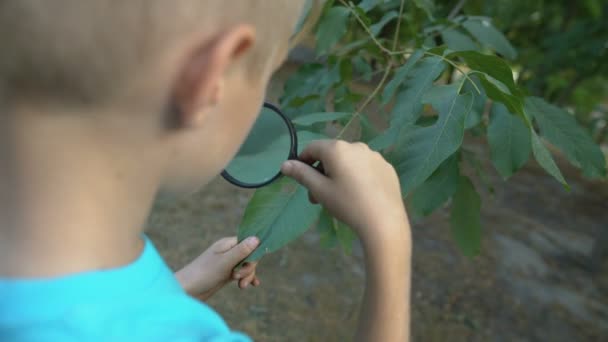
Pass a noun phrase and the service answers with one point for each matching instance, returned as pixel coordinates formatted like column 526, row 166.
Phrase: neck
column 72, row 198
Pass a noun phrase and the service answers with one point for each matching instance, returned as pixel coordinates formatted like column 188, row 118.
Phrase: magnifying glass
column 271, row 142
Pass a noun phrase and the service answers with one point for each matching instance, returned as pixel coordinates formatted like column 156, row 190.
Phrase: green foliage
column 332, row 232
column 465, row 218
column 276, row 216
column 509, row 140
column 562, row 51
column 434, row 79
column 437, row 189
column 560, row 128
column 421, row 150
column 332, row 27
column 310, row 119
column 486, row 34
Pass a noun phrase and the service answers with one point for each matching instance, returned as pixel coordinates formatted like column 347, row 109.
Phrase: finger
column 312, row 198
column 256, row 281
column 317, row 150
column 242, row 250
column 247, row 269
column 245, row 282
column 306, row 175
column 224, row 245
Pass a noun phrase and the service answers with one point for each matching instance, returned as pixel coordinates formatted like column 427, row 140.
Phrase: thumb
column 243, row 249
column 306, row 175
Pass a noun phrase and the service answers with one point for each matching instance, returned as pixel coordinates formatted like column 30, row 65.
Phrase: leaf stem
column 365, row 27
column 396, row 35
column 367, row 101
column 465, row 74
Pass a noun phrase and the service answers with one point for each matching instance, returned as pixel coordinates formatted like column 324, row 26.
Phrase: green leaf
column 488, row 35
column 377, row 27
column 368, row 131
column 465, row 218
column 436, row 190
column 346, row 236
column 362, row 68
column 309, row 79
column 367, row 5
column 332, row 27
column 408, row 106
column 332, row 231
column 458, row 41
column 561, row 129
column 513, row 103
column 493, row 66
column 306, row 137
column 327, row 232
column 545, row 160
column 400, row 74
column 427, row 6
column 277, row 214
column 509, row 140
column 281, row 211
column 422, row 149
column 313, row 118
column 479, row 102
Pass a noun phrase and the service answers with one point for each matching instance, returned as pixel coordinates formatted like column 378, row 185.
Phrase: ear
column 199, row 83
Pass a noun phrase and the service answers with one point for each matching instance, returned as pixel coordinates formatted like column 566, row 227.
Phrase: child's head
column 181, row 80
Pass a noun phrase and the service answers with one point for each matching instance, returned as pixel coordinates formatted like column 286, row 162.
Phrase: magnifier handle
column 319, row 167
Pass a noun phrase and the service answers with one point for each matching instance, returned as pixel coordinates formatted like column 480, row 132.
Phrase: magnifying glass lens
column 269, row 144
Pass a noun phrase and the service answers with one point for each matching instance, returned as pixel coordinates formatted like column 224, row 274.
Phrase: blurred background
column 542, row 274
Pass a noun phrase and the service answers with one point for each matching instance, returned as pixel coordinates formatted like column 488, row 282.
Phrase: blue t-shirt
column 139, row 302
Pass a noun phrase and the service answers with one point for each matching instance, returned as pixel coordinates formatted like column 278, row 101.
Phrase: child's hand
column 360, row 188
column 214, row 268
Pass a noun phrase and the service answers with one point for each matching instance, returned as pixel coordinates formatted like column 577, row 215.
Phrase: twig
column 466, row 75
column 365, row 27
column 396, row 35
column 456, row 9
column 367, row 101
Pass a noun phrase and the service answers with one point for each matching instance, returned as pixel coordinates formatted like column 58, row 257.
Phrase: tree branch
column 456, row 9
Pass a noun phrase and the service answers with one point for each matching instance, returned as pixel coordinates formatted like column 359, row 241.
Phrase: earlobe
column 199, row 83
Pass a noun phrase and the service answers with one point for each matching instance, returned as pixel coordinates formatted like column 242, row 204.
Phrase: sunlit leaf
column 488, row 35
column 493, row 66
column 458, row 41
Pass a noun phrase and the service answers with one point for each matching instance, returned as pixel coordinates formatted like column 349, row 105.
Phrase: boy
column 105, row 104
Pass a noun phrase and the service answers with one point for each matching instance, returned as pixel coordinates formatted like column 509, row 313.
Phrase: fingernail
column 286, row 167
column 252, row 241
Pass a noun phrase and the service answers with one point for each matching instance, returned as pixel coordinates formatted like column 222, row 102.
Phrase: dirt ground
column 539, row 277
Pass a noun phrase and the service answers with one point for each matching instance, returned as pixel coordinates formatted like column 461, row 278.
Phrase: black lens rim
column 293, row 152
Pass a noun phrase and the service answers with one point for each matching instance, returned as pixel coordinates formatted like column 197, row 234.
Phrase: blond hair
column 79, row 51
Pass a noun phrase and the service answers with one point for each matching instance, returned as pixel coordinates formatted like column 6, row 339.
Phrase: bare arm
column 385, row 312
column 361, row 189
